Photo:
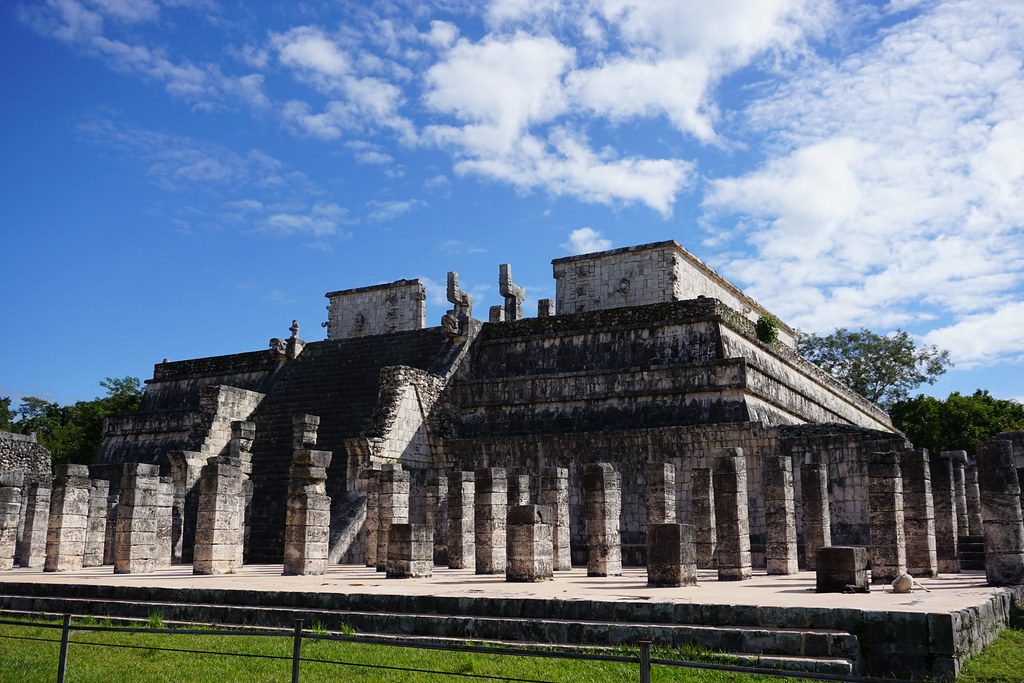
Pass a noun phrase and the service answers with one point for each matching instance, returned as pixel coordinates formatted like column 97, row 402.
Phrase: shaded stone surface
column 603, row 504
column 554, row 494
column 490, row 512
column 372, row 515
column 392, row 507
column 817, row 522
column 96, row 526
column 528, row 544
column 671, row 555
column 11, row 484
column 705, row 527
column 888, row 533
column 779, row 515
column 32, row 544
column 918, row 512
column 733, row 522
column 410, row 551
column 944, row 498
column 437, row 516
column 660, row 492
column 959, row 464
column 842, row 569
column 461, row 520
column 1002, row 523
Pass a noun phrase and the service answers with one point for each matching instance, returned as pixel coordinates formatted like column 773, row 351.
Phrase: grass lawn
column 1003, row 660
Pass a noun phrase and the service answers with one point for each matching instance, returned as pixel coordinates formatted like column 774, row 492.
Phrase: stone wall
column 22, row 453
column 377, row 309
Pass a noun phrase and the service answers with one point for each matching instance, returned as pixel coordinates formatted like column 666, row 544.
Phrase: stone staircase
column 519, row 621
column 971, row 551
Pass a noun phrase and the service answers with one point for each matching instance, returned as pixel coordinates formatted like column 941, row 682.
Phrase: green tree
column 7, row 415
column 957, row 423
column 882, row 368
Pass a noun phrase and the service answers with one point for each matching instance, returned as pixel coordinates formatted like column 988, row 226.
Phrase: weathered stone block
column 671, row 555
column 528, row 544
column 842, row 569
column 410, row 551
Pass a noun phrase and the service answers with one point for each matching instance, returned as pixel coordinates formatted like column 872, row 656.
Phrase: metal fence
column 643, row 660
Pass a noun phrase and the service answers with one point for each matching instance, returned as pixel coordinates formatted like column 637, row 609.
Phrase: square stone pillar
column 32, row 545
column 186, row 469
column 135, row 538
column 372, row 515
column 490, row 512
column 219, row 532
column 671, row 555
column 973, row 495
column 96, row 525
column 554, row 494
column 529, row 549
column 11, row 484
column 730, row 476
column 461, row 520
column 959, row 464
column 602, row 491
column 702, row 491
column 393, row 507
column 437, row 516
column 944, row 498
column 842, row 569
column 163, row 508
column 888, row 531
column 660, row 492
column 1002, row 524
column 308, row 518
column 817, row 521
column 779, row 515
column 918, row 512
column 518, row 490
column 410, row 551
column 69, row 513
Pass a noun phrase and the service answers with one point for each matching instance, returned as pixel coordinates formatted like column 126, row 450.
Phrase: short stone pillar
column 96, row 525
column 918, row 512
column 308, row 518
column 842, row 569
column 392, row 507
column 32, row 545
column 702, row 491
column 528, row 544
column 410, row 551
column 817, row 521
column 671, row 555
column 490, row 512
column 518, row 490
column 730, row 475
column 779, row 515
column 69, row 514
column 372, row 515
column 888, row 532
column 219, row 534
column 437, row 516
column 496, row 314
column 973, row 495
column 11, row 484
column 944, row 498
column 959, row 464
column 186, row 468
column 660, row 492
column 135, row 537
column 545, row 308
column 602, row 492
column 1002, row 524
column 461, row 520
column 554, row 494
column 163, row 509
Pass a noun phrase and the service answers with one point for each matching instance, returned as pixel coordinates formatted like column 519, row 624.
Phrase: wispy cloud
column 585, row 241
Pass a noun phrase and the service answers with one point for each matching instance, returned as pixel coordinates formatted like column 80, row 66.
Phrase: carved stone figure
column 513, row 293
column 455, row 322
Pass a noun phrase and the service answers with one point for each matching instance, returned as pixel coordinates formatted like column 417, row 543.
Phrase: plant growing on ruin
column 767, row 328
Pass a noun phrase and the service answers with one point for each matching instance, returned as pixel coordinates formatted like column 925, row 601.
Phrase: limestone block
column 529, row 544
column 703, row 514
column 461, row 520
column 944, row 496
column 410, row 551
column 554, row 494
column 918, row 512
column 10, row 512
column 660, row 492
column 671, row 555
column 842, row 569
column 393, row 508
column 780, row 515
column 1002, row 523
column 32, row 546
column 733, row 522
column 817, row 522
column 490, row 511
column 603, row 502
column 888, row 531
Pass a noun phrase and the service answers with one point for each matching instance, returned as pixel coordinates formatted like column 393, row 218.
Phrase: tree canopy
column 958, row 422
column 882, row 368
column 72, row 433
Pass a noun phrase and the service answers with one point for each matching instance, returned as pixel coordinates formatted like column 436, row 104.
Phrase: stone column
column 704, row 525
column 372, row 515
column 518, row 490
column 163, row 508
column 817, row 521
column 660, row 492
column 135, row 538
column 32, row 546
column 461, row 520
column 437, row 516
column 186, row 468
column 779, row 515
column 554, row 494
column 393, row 507
column 602, row 491
column 219, row 532
column 885, row 502
column 69, row 512
column 918, row 512
column 1002, row 523
column 490, row 512
column 944, row 498
column 959, row 463
column 529, row 544
column 308, row 518
column 671, row 555
column 410, row 551
column 730, row 476
column 96, row 525
column 973, row 495
column 545, row 308
column 11, row 484
column 243, row 434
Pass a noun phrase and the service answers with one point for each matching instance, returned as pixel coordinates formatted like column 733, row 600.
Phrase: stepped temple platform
column 778, row 618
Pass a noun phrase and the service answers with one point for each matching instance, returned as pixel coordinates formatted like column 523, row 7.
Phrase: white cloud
column 442, row 33
column 323, row 219
column 982, row 339
column 585, row 241
column 382, row 211
column 128, row 10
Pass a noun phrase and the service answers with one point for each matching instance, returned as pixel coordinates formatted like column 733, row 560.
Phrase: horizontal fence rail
column 643, row 660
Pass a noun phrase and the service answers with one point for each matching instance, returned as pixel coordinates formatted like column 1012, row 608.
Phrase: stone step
column 806, row 649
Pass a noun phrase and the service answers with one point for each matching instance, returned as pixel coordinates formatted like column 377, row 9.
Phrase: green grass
column 27, row 661
column 1003, row 660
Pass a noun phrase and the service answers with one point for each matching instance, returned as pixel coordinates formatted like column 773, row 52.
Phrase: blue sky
column 182, row 178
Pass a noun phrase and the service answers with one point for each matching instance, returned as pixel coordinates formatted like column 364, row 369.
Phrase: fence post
column 296, row 650
column 645, row 661
column 62, row 663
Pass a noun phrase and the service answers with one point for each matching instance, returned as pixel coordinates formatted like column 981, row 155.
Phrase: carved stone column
column 32, row 546
column 219, row 533
column 730, row 475
column 918, row 512
column 888, row 531
column 660, row 492
column 602, row 490
column 308, row 518
column 10, row 514
column 528, row 544
column 779, row 515
column 96, row 525
column 671, row 556
column 704, row 525
column 491, row 510
column 393, row 507
column 461, row 520
column 817, row 520
column 69, row 512
column 135, row 538
column 944, row 497
column 1002, row 523
column 554, row 494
